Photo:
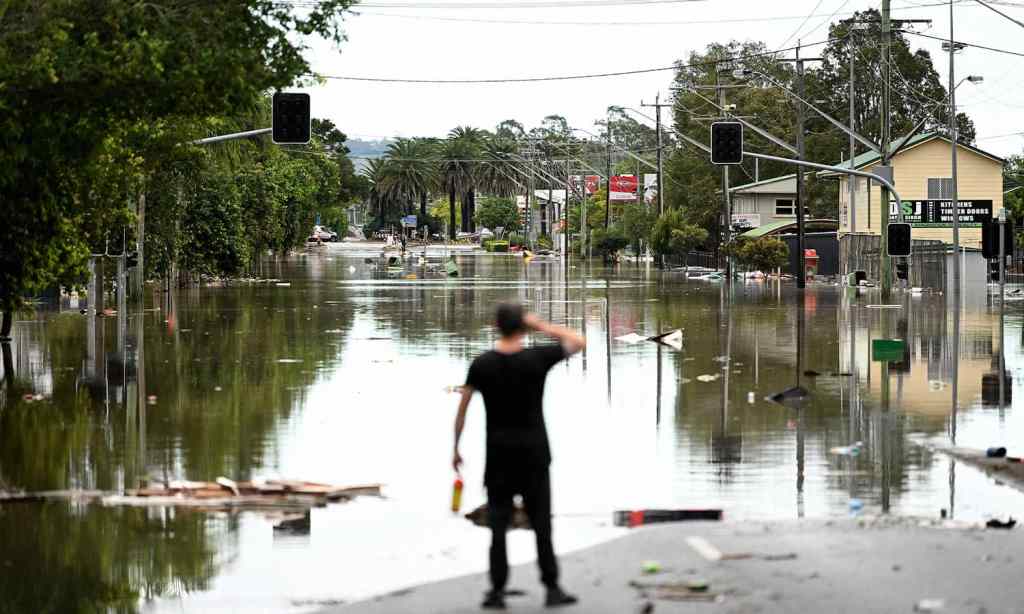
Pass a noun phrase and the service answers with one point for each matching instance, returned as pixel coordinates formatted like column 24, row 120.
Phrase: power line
column 620, row 23
column 995, row 10
column 554, row 78
column 976, row 46
column 802, row 24
column 497, row 5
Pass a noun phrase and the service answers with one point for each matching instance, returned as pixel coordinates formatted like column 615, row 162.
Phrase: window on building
column 940, row 188
column 784, row 208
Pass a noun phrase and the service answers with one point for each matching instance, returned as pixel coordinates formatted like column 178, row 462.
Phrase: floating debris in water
column 289, row 360
column 885, row 306
column 708, row 378
column 283, row 285
column 151, row 399
column 790, row 397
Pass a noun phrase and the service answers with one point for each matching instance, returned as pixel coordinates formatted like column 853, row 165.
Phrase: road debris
column 995, row 523
column 520, row 520
column 929, row 605
column 650, row 567
column 223, row 494
column 636, row 518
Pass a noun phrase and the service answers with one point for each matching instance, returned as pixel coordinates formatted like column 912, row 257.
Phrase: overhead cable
column 557, row 78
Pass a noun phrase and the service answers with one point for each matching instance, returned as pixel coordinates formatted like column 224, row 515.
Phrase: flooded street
column 338, row 373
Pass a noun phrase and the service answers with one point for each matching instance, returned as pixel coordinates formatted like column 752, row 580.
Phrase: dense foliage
column 764, row 254
column 94, row 98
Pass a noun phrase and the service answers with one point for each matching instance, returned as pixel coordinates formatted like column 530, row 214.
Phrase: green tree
column 495, row 212
column 672, row 235
column 609, row 242
column 637, row 223
column 96, row 94
column 764, row 254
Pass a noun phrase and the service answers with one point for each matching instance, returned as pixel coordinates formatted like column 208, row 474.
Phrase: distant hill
column 359, row 150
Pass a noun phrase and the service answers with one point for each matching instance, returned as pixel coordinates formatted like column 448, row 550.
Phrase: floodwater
column 338, row 373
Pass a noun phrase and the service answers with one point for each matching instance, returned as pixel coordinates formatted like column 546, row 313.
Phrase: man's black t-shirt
column 513, row 389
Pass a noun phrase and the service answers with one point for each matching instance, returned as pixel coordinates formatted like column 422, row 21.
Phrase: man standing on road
column 511, row 379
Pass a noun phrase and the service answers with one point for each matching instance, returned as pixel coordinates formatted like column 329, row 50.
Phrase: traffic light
column 726, row 143
column 291, row 118
column 902, row 269
column 898, row 239
column 131, row 259
column 990, row 239
column 993, row 270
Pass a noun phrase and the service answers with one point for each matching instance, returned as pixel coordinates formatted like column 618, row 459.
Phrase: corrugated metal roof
column 777, row 227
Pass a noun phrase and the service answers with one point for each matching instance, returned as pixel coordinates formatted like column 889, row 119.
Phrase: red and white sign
column 624, row 188
column 590, row 183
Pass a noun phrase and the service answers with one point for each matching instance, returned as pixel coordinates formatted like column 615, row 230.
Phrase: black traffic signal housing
column 990, row 238
column 726, row 143
column 898, row 239
column 291, row 118
column 993, row 270
column 902, row 270
column 131, row 259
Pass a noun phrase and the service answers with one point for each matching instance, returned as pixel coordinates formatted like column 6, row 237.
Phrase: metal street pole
column 801, row 280
column 1002, row 307
column 851, row 181
column 661, row 194
column 884, row 264
column 608, row 171
column 953, row 148
column 726, row 212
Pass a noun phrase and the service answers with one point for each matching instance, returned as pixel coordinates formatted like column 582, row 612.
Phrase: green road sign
column 887, row 350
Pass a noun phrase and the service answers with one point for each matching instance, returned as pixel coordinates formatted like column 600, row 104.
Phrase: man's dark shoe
column 494, row 600
column 557, row 597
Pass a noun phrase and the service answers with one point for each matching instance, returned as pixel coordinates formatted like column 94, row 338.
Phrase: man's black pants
column 535, row 488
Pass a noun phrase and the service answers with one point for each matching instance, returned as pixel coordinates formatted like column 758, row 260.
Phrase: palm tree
column 411, row 172
column 455, row 174
column 498, row 174
column 377, row 172
column 470, row 141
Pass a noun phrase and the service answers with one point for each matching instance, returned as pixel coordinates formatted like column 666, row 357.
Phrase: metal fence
column 928, row 259
column 708, row 260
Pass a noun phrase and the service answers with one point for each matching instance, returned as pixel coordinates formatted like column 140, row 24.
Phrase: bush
column 493, row 212
column 764, row 254
column 544, row 242
column 515, row 239
column 609, row 242
column 671, row 235
column 496, row 246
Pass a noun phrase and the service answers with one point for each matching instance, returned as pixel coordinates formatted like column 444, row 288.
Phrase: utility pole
column 608, row 171
column 726, row 212
column 885, row 265
column 801, row 280
column 851, row 182
column 953, row 140
column 657, row 121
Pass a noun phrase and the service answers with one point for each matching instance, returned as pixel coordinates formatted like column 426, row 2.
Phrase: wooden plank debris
column 221, row 494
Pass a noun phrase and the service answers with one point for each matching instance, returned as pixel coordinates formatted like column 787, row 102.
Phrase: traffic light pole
column 825, row 167
column 231, row 137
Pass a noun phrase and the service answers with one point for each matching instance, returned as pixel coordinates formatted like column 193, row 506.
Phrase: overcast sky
column 486, row 40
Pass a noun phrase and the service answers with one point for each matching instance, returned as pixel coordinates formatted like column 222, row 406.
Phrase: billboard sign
column 939, row 213
column 650, row 187
column 590, row 183
column 409, row 221
column 623, row 188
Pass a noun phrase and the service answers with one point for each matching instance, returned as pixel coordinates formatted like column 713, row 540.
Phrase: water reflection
column 340, row 376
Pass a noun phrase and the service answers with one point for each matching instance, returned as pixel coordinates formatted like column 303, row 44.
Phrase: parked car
column 322, row 233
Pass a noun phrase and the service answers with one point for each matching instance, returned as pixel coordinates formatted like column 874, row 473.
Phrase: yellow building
column 921, row 173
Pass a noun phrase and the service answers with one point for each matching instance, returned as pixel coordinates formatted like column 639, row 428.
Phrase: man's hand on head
column 532, row 321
